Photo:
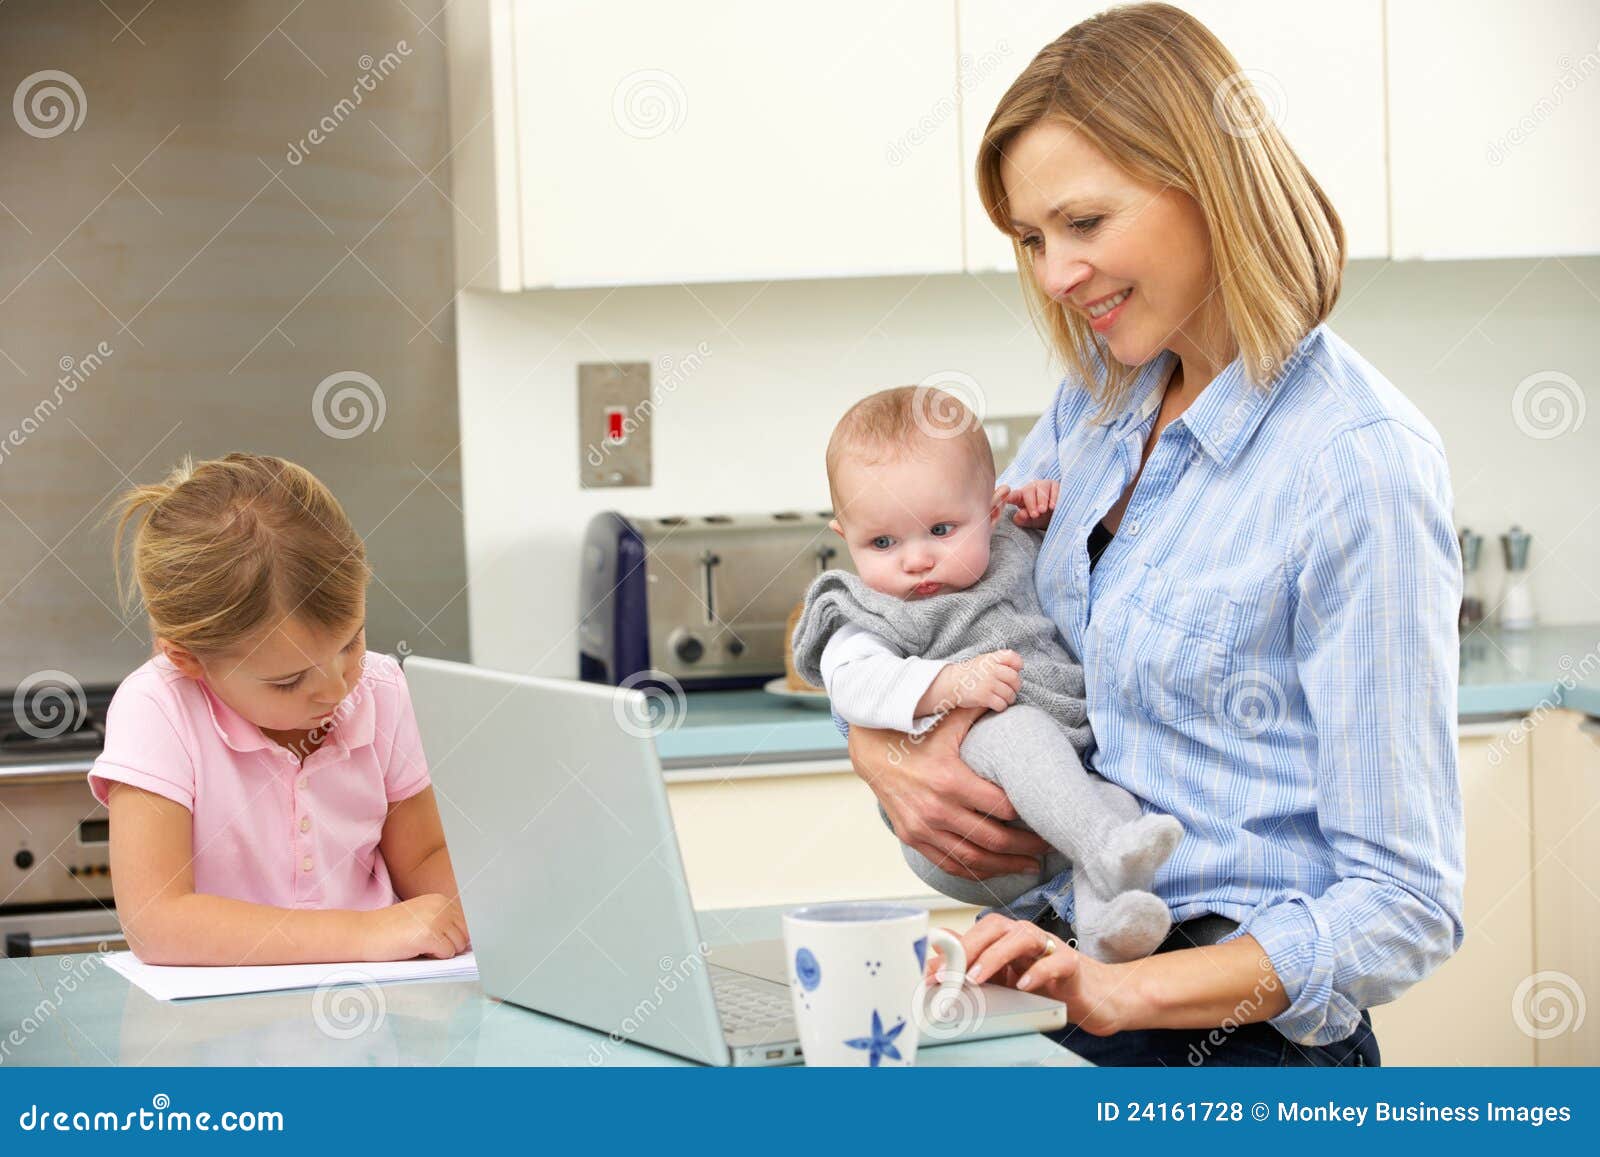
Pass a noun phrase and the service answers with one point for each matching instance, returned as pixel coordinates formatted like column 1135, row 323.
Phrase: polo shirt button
column 305, row 823
column 305, row 864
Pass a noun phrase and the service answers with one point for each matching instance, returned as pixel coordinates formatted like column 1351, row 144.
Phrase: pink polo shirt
column 266, row 828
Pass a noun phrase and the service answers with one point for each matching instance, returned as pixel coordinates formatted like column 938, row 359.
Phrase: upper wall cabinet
column 1318, row 70
column 1494, row 123
column 635, row 142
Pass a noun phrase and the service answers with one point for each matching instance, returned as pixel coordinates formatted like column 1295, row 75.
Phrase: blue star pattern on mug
column 880, row 1044
column 806, row 970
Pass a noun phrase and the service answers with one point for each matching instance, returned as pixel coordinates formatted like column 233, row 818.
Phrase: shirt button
column 1133, row 526
column 303, row 780
column 305, row 864
column 305, row 823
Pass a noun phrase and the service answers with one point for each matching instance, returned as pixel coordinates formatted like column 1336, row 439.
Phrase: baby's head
column 912, row 480
column 253, row 580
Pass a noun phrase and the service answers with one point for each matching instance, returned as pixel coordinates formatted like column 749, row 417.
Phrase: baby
column 943, row 613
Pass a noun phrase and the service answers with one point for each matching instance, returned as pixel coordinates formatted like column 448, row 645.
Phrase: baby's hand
column 1035, row 502
column 989, row 680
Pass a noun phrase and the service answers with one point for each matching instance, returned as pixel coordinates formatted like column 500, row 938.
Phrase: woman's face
column 1093, row 231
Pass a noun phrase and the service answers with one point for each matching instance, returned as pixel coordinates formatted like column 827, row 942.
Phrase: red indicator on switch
column 614, row 431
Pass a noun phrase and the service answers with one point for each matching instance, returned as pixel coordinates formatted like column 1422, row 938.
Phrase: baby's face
column 916, row 526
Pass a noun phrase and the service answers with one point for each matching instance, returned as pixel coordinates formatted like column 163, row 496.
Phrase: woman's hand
column 940, row 806
column 1101, row 998
column 430, row 925
column 1035, row 502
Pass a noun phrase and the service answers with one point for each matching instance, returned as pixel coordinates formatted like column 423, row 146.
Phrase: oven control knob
column 735, row 647
column 688, row 648
column 23, row 859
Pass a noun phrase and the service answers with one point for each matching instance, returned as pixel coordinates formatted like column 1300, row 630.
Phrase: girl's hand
column 1100, row 998
column 940, row 806
column 990, row 680
column 1035, row 502
column 430, row 925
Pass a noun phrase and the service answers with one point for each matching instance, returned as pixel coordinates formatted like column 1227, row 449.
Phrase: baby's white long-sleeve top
column 871, row 684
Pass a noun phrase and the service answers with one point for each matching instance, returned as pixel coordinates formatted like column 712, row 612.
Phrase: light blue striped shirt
column 1271, row 655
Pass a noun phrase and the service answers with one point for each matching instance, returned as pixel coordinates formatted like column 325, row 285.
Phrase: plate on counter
column 780, row 686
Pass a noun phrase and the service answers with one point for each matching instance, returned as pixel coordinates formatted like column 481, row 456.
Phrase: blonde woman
column 1252, row 553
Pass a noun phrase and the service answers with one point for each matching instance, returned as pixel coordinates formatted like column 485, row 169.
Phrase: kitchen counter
column 74, row 1010
column 1502, row 673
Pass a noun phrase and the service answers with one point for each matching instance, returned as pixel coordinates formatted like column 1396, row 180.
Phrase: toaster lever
column 709, row 561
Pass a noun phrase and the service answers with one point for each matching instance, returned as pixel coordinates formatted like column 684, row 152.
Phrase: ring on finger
column 1049, row 945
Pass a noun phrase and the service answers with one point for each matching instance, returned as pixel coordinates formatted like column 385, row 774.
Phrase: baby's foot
column 1134, row 851
column 1130, row 927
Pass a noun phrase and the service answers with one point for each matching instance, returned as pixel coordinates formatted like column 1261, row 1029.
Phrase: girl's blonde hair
column 1154, row 90
column 224, row 548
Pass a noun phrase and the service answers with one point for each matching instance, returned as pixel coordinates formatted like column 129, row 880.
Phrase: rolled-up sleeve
column 1378, row 586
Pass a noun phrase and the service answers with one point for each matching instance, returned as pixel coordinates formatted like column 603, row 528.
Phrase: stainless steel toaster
column 703, row 599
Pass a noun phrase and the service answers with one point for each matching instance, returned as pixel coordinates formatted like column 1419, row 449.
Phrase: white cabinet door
column 1461, row 1014
column 721, row 141
column 1317, row 66
column 1494, row 124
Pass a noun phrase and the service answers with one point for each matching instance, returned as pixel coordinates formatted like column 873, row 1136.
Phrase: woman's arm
column 167, row 922
column 940, row 806
column 1231, row 983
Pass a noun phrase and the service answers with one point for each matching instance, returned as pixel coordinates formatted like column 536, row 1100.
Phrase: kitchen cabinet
column 632, row 143
column 1318, row 69
column 1492, row 125
column 1566, row 888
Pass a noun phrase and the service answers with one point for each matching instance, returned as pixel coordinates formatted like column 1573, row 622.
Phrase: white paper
column 173, row 982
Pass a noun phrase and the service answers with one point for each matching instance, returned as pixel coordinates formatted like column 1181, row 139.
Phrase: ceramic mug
column 856, row 978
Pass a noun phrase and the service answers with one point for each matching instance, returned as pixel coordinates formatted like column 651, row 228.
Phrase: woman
column 1253, row 555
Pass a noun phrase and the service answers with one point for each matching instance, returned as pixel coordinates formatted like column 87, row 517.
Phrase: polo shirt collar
column 354, row 722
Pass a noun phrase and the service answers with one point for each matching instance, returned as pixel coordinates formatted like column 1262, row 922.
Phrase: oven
column 55, row 838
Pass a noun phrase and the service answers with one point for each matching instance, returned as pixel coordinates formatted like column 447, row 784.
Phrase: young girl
column 269, row 799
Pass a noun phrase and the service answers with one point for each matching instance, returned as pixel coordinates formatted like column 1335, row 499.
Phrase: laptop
column 563, row 845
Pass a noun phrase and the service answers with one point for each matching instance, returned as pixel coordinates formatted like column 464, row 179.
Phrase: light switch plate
column 620, row 390
column 1006, row 432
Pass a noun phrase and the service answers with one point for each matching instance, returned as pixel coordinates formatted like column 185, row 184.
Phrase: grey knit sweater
column 1000, row 611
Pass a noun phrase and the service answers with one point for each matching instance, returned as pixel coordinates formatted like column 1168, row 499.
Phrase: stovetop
column 50, row 720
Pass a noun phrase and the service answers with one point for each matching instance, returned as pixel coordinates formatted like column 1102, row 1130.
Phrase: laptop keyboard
column 747, row 1002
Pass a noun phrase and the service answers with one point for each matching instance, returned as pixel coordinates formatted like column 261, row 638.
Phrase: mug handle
column 952, row 973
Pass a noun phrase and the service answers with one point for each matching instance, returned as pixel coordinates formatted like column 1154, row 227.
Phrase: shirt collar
column 1227, row 412
column 354, row 721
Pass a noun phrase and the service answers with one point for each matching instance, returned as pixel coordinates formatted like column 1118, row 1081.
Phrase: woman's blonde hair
column 224, row 548
column 1154, row 90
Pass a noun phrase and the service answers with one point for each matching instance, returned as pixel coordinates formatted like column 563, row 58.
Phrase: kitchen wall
column 744, row 417
column 181, row 271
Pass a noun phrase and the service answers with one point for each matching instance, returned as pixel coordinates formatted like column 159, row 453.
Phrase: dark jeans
column 1247, row 1044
